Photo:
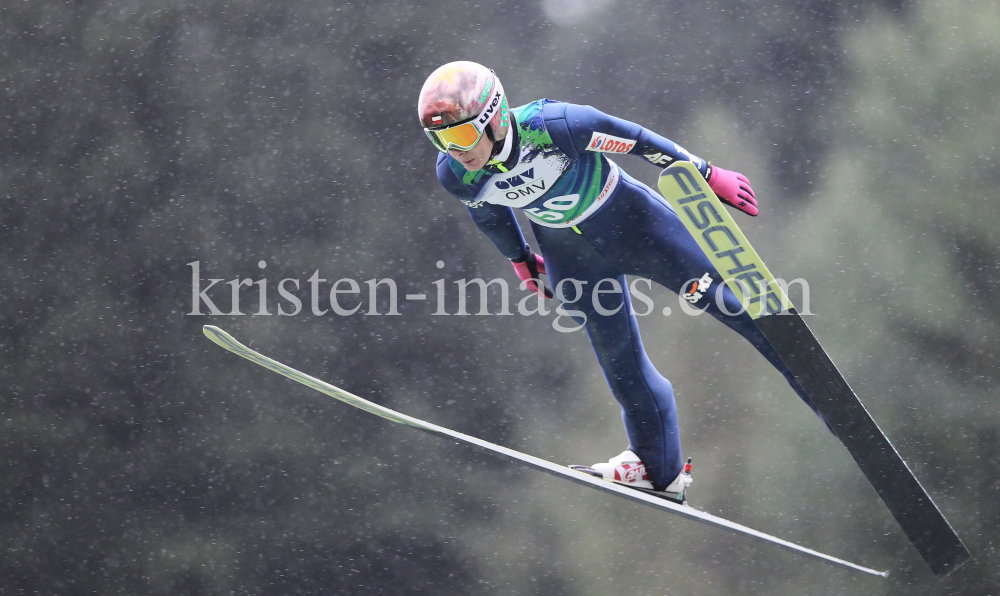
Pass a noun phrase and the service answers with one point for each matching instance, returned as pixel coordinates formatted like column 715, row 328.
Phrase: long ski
column 744, row 272
column 225, row 340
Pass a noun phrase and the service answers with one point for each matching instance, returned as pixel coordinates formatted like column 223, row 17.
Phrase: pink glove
column 528, row 268
column 733, row 188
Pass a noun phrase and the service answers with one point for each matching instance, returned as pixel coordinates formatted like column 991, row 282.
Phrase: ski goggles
column 464, row 135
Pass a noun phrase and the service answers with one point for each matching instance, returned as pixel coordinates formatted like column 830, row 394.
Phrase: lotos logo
column 631, row 472
column 604, row 143
column 515, row 181
column 698, row 289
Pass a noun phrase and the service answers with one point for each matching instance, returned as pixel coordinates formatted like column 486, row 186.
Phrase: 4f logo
column 659, row 159
column 665, row 159
column 698, row 289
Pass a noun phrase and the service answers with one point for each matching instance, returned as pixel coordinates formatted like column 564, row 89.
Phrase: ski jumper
column 594, row 222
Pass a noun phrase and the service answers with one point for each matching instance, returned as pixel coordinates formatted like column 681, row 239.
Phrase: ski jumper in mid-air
column 594, row 225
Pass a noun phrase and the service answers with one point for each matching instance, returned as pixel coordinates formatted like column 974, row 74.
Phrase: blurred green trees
column 138, row 137
column 903, row 246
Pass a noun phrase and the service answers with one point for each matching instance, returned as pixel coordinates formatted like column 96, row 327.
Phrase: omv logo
column 515, row 181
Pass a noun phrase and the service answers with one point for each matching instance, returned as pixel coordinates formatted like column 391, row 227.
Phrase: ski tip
column 215, row 334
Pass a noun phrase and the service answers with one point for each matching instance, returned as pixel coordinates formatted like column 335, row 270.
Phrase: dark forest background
column 141, row 136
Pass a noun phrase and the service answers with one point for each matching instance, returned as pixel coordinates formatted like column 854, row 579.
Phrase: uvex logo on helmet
column 490, row 110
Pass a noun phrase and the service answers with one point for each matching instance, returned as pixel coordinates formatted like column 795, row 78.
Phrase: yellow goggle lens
column 461, row 137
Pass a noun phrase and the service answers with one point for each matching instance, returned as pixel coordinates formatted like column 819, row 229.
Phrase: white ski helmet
column 459, row 102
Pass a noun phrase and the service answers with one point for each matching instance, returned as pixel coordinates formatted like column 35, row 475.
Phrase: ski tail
column 738, row 263
column 918, row 515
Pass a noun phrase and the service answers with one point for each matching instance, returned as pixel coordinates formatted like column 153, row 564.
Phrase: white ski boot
column 628, row 470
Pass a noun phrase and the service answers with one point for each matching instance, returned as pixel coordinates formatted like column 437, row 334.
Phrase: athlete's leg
column 646, row 398
column 641, row 235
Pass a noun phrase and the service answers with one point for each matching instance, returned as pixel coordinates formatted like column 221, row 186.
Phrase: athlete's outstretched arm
column 588, row 129
column 499, row 224
column 584, row 128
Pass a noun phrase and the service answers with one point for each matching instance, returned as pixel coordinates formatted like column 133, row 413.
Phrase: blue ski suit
column 594, row 222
